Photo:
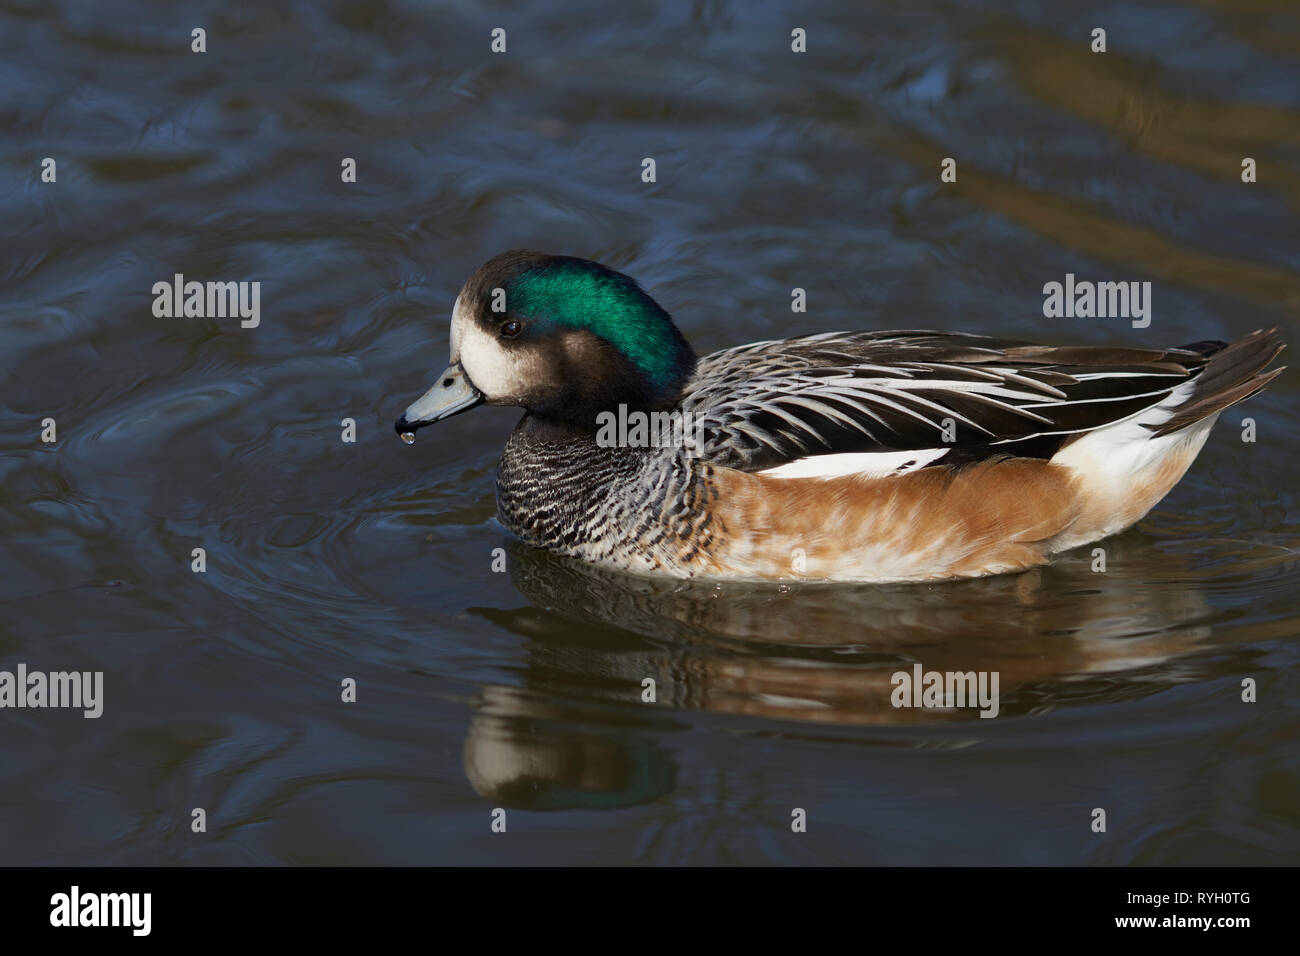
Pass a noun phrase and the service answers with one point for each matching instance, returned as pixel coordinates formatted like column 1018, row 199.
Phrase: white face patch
column 457, row 322
column 501, row 374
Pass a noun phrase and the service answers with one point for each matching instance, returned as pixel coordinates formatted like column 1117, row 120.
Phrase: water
column 372, row 560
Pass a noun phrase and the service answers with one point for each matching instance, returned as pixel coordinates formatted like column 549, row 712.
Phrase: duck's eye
column 511, row 327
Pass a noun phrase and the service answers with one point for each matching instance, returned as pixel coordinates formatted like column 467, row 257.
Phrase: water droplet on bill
column 408, row 437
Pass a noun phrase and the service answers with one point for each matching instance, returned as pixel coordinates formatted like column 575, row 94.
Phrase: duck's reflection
column 579, row 734
column 526, row 751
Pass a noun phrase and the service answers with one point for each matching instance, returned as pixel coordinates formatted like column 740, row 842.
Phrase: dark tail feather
column 1206, row 347
column 1233, row 372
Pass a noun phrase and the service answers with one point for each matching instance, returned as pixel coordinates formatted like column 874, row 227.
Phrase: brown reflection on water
column 816, row 655
column 1122, row 96
column 1079, row 225
column 827, row 653
column 525, row 750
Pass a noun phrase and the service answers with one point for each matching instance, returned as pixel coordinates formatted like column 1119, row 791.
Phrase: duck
column 857, row 456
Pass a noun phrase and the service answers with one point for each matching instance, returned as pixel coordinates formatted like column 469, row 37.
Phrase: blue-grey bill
column 450, row 395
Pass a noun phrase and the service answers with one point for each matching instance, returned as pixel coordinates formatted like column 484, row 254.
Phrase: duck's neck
column 553, row 473
column 560, row 489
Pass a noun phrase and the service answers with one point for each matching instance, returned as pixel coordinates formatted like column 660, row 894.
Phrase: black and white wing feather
column 771, row 403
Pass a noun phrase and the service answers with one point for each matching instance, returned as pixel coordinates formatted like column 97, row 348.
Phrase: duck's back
column 935, row 398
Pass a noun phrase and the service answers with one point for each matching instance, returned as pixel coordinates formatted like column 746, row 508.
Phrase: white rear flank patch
column 1125, row 469
column 869, row 464
column 1114, row 454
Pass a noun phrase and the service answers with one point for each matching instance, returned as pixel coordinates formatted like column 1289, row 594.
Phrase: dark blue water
column 522, row 690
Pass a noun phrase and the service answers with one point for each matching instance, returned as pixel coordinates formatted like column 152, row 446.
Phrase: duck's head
column 564, row 338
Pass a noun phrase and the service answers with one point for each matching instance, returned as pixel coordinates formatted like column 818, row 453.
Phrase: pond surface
column 522, row 689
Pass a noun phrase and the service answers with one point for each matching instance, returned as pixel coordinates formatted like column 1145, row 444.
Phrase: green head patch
column 577, row 294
